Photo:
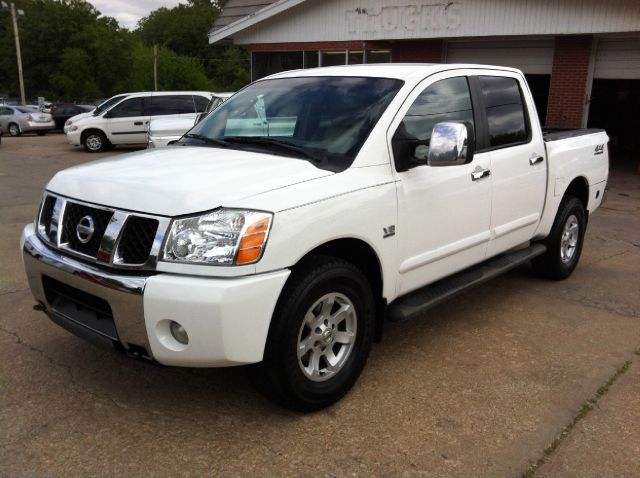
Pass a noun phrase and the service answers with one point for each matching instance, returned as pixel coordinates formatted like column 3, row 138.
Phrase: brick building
column 581, row 57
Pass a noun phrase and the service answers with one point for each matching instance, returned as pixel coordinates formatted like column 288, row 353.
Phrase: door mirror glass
column 451, row 144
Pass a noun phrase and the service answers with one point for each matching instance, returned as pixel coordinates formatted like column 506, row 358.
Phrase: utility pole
column 155, row 67
column 14, row 20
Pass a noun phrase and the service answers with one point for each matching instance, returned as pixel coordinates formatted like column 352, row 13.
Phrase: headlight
column 222, row 237
column 72, row 128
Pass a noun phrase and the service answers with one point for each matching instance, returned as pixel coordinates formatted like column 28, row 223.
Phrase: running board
column 418, row 301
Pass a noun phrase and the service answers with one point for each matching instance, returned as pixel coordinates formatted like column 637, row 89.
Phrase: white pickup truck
column 284, row 228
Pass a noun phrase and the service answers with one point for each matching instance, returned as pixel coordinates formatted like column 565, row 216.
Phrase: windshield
column 107, row 104
column 322, row 119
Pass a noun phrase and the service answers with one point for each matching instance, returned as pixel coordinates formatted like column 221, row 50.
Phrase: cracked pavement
column 481, row 386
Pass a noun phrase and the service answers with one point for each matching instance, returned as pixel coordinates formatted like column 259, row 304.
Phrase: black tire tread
column 268, row 375
column 549, row 265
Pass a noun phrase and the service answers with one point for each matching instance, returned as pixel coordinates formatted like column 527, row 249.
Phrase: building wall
column 349, row 20
column 568, row 87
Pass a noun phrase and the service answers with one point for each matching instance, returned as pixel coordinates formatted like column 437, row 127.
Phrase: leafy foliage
column 71, row 52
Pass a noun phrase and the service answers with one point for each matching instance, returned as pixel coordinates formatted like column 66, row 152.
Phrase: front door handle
column 479, row 174
column 535, row 159
column 138, row 123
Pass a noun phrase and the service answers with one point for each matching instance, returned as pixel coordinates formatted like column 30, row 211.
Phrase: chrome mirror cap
column 450, row 144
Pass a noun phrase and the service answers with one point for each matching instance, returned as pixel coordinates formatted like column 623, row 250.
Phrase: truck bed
column 555, row 134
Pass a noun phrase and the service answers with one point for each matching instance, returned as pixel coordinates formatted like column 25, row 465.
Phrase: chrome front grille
column 104, row 235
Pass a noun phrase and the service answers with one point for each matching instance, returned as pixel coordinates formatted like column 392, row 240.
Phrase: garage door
column 534, row 57
column 618, row 58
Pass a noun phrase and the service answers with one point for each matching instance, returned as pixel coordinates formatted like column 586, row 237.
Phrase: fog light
column 178, row 332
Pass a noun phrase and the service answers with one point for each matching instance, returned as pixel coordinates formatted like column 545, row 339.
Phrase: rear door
column 127, row 121
column 518, row 164
column 163, row 106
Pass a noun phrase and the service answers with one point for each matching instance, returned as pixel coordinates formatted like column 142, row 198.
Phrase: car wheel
column 564, row 243
column 14, row 129
column 320, row 336
column 41, row 133
column 95, row 142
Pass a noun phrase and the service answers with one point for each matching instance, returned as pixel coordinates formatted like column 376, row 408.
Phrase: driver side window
column 128, row 109
column 444, row 100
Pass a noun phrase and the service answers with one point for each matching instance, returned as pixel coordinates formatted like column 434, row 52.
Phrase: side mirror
column 107, row 115
column 199, row 117
column 451, row 144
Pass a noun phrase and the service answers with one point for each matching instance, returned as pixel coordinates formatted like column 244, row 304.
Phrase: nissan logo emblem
column 85, row 229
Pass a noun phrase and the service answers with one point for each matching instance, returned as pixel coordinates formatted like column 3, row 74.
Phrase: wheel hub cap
column 327, row 336
column 569, row 239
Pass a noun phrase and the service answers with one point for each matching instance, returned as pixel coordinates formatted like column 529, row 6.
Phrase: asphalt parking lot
column 518, row 377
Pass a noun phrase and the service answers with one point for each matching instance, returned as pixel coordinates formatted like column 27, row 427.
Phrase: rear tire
column 564, row 243
column 95, row 142
column 320, row 336
column 14, row 129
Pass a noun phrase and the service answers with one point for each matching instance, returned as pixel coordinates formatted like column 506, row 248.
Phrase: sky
column 128, row 12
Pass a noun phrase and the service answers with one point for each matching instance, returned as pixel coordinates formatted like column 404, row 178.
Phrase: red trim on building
column 568, row 86
column 417, row 51
column 324, row 45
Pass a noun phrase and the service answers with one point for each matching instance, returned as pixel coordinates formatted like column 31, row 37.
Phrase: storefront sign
column 435, row 17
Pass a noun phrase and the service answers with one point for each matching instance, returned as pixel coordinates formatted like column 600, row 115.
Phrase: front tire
column 320, row 336
column 564, row 244
column 95, row 142
column 14, row 130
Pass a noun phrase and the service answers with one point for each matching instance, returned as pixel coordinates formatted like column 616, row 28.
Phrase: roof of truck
column 401, row 71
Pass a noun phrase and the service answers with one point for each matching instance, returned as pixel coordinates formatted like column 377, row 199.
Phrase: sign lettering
column 435, row 17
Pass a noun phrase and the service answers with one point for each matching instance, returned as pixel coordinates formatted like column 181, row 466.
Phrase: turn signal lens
column 252, row 242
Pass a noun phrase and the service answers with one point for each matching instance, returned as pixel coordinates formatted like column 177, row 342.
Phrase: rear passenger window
column 506, row 115
column 201, row 103
column 172, row 105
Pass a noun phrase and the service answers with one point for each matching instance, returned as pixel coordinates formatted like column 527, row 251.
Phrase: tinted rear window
column 505, row 110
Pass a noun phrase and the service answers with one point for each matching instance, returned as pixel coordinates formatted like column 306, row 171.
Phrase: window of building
column 356, row 57
column 267, row 63
column 333, row 57
column 378, row 56
column 505, row 110
column 311, row 59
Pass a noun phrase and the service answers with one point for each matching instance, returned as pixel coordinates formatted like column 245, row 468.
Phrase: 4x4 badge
column 599, row 149
column 388, row 231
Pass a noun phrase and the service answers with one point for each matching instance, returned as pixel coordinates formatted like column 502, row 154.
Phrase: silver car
column 22, row 119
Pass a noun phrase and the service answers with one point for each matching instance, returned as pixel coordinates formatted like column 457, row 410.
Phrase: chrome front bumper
column 124, row 293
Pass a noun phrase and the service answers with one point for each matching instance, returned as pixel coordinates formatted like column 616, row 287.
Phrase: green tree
column 184, row 29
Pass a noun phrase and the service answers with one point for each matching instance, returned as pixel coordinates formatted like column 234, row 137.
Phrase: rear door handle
column 535, row 159
column 479, row 174
column 138, row 123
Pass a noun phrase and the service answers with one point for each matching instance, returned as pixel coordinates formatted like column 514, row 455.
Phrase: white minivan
column 126, row 121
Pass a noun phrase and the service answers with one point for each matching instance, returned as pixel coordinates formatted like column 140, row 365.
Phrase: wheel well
column 90, row 130
column 579, row 188
column 362, row 255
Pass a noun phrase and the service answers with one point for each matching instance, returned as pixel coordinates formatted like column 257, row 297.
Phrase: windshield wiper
column 206, row 139
column 264, row 141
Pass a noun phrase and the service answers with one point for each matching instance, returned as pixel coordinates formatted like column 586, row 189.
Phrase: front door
column 127, row 122
column 444, row 214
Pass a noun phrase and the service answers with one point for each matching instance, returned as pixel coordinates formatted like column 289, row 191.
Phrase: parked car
column 126, row 122
column 284, row 228
column 20, row 119
column 162, row 131
column 62, row 112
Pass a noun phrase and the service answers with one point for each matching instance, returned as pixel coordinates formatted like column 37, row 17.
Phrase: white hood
column 181, row 180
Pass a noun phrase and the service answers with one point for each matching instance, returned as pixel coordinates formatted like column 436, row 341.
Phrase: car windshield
column 107, row 104
column 325, row 120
